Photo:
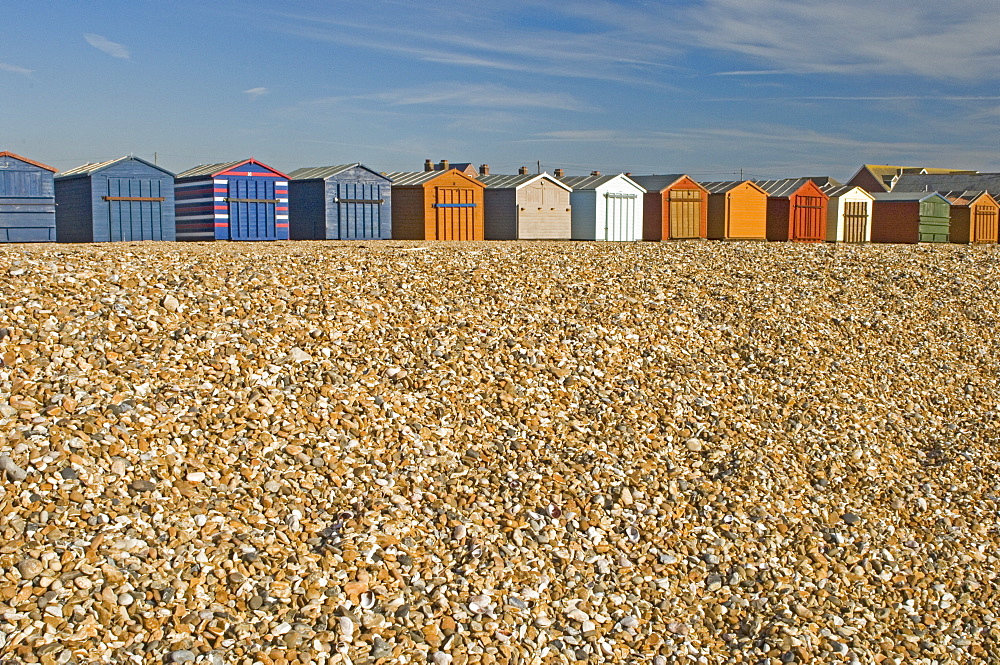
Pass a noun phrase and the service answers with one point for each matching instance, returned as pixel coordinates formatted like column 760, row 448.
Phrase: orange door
column 985, row 227
column 685, row 213
column 809, row 218
column 456, row 213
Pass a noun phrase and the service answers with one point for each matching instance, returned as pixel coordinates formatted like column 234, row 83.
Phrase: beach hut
column 27, row 200
column 121, row 199
column 910, row 217
column 848, row 213
column 605, row 207
column 796, row 209
column 973, row 217
column 674, row 207
column 526, row 207
column 737, row 210
column 345, row 202
column 241, row 200
column 436, row 205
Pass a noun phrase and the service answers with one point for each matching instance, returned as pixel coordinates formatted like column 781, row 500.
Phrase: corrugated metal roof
column 906, row 196
column 320, row 172
column 834, row 190
column 88, row 169
column 578, row 182
column 722, row 186
column 656, row 183
column 210, row 169
column 948, row 182
column 413, row 178
column 781, row 188
column 964, row 196
column 7, row 153
column 499, row 181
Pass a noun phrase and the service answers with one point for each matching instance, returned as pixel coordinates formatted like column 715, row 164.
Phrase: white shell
column 368, row 600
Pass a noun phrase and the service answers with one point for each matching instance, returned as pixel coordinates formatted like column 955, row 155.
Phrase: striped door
column 252, row 204
column 855, row 221
column 809, row 219
column 455, row 213
column 135, row 209
column 359, row 211
column 685, row 213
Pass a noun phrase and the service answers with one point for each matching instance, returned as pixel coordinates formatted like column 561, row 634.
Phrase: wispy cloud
column 481, row 96
column 254, row 93
column 114, row 49
column 14, row 69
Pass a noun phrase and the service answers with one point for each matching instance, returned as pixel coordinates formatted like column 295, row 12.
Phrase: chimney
column 484, row 169
column 523, row 170
column 559, row 173
column 595, row 173
column 428, row 165
column 445, row 165
column 627, row 174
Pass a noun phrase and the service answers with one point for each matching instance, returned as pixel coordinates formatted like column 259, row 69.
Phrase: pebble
column 499, row 452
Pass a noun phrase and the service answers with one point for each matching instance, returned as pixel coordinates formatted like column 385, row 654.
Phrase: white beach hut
column 605, row 207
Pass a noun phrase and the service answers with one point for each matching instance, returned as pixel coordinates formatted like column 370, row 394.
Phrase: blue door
column 135, row 209
column 252, row 209
column 359, row 211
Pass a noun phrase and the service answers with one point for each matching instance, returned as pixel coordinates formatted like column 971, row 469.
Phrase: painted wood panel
column 27, row 200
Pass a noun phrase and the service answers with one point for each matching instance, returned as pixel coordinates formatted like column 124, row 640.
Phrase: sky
column 712, row 88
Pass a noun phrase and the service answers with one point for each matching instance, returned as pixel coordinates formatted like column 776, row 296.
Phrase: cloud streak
column 254, row 93
column 14, row 69
column 105, row 45
column 486, row 96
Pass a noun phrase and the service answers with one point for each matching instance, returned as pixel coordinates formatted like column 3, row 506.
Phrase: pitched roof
column 966, row 197
column 782, row 188
column 886, row 173
column 723, row 186
column 517, row 181
column 834, row 190
column 578, row 182
column 324, row 172
column 90, row 169
column 414, row 178
column 656, row 183
column 214, row 169
column 949, row 182
column 6, row 153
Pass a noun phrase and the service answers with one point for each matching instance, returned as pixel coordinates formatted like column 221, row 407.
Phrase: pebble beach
column 491, row 453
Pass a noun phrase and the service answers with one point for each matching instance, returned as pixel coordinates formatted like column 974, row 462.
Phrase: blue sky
column 708, row 87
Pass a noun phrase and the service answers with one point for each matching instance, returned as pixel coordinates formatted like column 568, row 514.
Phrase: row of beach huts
column 130, row 199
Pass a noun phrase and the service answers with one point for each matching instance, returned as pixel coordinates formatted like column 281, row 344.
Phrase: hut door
column 359, row 208
column 808, row 223
column 685, row 213
column 252, row 209
column 855, row 220
column 455, row 213
column 985, row 224
column 135, row 208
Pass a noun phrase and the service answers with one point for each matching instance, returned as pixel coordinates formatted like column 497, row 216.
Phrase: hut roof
column 907, row 196
column 930, row 182
column 222, row 167
column 517, row 181
column 656, row 183
column 723, row 186
column 90, row 169
column 324, row 172
column 578, row 182
column 6, row 153
column 782, row 188
column 414, row 178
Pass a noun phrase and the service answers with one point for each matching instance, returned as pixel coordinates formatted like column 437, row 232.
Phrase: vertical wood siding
column 27, row 202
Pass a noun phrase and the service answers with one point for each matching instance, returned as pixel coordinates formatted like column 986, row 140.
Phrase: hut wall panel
column 27, row 202
column 961, row 227
column 74, row 210
column 196, row 200
column 307, row 209
column 408, row 213
column 115, row 221
column 501, row 214
column 718, row 205
column 583, row 217
column 895, row 221
column 544, row 212
column 778, row 212
column 655, row 208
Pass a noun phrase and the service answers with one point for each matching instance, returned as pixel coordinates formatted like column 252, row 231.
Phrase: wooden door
column 455, row 213
column 252, row 206
column 135, row 209
column 855, row 221
column 809, row 219
column 985, row 224
column 359, row 211
column 685, row 213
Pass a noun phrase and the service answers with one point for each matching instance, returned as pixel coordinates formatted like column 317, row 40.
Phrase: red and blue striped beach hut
column 242, row 200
